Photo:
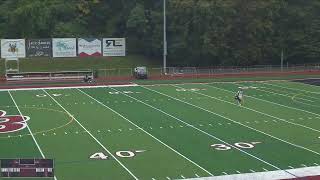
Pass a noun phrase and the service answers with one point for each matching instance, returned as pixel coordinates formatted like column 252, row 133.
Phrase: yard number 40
column 120, row 154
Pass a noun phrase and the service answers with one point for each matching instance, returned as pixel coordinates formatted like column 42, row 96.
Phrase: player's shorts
column 237, row 98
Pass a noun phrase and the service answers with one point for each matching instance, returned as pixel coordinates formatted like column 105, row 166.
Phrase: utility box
column 141, row 72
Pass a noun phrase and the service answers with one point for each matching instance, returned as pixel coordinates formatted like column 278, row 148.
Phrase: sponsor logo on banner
column 39, row 48
column 13, row 48
column 89, row 47
column 64, row 47
column 114, row 47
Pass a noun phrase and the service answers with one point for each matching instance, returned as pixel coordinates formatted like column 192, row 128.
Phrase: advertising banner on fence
column 13, row 48
column 64, row 47
column 89, row 47
column 114, row 47
column 39, row 48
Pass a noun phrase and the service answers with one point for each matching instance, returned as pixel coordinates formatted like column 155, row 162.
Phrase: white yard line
column 99, row 102
column 259, row 112
column 204, row 132
column 283, row 87
column 29, row 129
column 285, row 90
column 285, row 95
column 92, row 136
column 270, row 102
column 295, row 145
column 270, row 175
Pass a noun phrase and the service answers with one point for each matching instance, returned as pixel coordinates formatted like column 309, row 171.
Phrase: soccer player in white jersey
column 239, row 96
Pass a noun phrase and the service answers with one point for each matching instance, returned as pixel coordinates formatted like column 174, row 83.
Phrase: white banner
column 13, row 48
column 89, row 47
column 114, row 47
column 64, row 47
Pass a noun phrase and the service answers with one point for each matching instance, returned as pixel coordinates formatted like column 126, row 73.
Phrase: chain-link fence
column 195, row 72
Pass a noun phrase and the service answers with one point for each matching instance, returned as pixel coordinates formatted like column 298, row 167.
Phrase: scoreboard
column 26, row 168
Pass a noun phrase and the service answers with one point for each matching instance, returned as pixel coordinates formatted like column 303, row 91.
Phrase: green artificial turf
column 174, row 131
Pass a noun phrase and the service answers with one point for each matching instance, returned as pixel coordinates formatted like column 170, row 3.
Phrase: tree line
column 200, row 32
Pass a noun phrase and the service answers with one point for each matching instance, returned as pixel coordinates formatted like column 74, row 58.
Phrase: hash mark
column 197, row 175
column 238, row 172
column 168, row 178
column 224, row 173
column 303, row 165
column 252, row 170
column 182, row 176
column 265, row 169
column 316, row 164
column 291, row 167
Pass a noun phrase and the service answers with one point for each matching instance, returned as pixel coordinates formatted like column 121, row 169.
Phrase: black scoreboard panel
column 27, row 168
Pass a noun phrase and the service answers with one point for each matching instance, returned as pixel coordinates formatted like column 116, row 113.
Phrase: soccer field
column 164, row 132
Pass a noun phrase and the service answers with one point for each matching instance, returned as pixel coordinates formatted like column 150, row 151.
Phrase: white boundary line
column 259, row 112
column 270, row 175
column 204, row 132
column 272, row 102
column 298, row 146
column 91, row 135
column 29, row 129
column 123, row 117
column 70, row 87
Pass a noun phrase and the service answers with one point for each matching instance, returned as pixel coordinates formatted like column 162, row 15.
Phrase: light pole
column 165, row 52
